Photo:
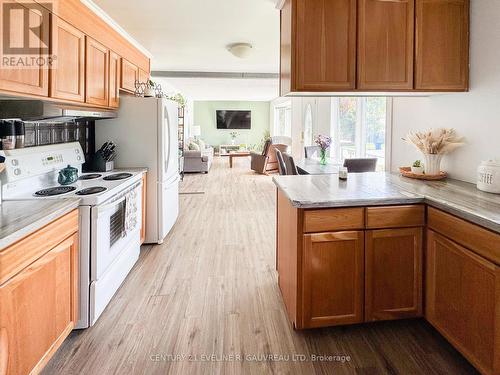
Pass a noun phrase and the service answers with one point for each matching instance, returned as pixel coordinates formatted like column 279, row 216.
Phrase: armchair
column 266, row 162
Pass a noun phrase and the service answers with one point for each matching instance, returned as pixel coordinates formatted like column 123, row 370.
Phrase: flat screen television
column 234, row 119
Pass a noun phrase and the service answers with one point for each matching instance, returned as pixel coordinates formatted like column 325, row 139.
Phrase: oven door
column 115, row 224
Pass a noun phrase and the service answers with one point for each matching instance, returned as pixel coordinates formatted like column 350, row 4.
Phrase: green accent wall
column 204, row 117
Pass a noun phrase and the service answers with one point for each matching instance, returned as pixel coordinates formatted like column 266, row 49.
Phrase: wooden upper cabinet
column 393, row 274
column 442, row 45
column 129, row 75
column 463, row 301
column 333, row 269
column 97, row 77
column 385, row 46
column 39, row 309
column 114, row 79
column 143, row 76
column 17, row 78
column 67, row 78
column 325, row 37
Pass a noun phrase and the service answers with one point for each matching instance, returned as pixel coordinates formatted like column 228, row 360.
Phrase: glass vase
column 432, row 164
column 322, row 157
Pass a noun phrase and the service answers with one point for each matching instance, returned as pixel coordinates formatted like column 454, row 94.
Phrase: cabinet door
column 442, row 45
column 97, row 79
column 393, row 274
column 333, row 279
column 39, row 308
column 20, row 77
column 67, row 79
column 463, row 301
column 143, row 76
column 114, row 79
column 325, row 38
column 385, row 48
column 130, row 74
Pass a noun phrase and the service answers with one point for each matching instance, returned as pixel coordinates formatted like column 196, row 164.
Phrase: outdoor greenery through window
column 283, row 120
column 359, row 128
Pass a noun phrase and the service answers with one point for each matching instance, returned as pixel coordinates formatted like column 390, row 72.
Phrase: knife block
column 98, row 164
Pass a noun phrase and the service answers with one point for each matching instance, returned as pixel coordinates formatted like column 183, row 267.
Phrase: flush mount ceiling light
column 240, row 50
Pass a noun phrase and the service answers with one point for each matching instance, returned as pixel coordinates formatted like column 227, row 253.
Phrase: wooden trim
column 18, row 256
column 395, row 216
column 4, row 351
column 471, row 236
column 334, row 219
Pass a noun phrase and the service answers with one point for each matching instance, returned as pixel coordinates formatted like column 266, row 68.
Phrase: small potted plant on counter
column 417, row 167
column 324, row 142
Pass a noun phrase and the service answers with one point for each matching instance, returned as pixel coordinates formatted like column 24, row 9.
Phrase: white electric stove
column 110, row 216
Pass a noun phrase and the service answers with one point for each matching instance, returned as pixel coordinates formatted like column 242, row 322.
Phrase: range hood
column 41, row 111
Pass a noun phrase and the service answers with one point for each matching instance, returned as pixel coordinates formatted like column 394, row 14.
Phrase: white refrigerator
column 145, row 134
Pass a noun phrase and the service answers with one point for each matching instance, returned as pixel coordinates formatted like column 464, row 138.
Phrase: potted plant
column 149, row 91
column 434, row 144
column 417, row 167
column 324, row 142
column 233, row 136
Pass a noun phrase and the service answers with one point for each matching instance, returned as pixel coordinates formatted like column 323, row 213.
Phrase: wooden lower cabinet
column 333, row 279
column 463, row 301
column 393, row 274
column 39, row 307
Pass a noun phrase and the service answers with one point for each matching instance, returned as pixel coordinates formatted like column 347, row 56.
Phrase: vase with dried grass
column 434, row 144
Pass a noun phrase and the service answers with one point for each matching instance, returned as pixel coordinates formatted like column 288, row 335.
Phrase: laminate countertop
column 382, row 188
column 18, row 219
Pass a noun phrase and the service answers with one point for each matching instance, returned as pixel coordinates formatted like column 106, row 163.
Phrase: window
column 359, row 128
column 283, row 120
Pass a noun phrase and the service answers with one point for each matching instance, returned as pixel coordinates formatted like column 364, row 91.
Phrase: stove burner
column 91, row 176
column 91, row 190
column 117, row 176
column 54, row 191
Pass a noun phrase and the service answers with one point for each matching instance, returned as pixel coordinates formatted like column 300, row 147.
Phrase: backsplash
column 47, row 133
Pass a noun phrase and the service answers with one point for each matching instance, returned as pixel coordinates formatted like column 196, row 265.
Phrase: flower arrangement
column 233, row 136
column 324, row 142
column 435, row 143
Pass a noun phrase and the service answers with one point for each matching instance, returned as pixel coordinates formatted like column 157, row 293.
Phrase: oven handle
column 111, row 205
column 117, row 202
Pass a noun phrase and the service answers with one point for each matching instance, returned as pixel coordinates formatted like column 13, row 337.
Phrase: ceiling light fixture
column 240, row 50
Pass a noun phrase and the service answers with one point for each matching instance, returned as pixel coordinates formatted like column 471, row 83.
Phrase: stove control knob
column 78, row 158
column 17, row 171
column 14, row 162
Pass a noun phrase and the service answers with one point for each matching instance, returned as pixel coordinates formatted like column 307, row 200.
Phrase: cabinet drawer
column 395, row 216
column 473, row 237
column 24, row 252
column 334, row 219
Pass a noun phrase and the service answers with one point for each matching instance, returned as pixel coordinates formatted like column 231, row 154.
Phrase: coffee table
column 237, row 154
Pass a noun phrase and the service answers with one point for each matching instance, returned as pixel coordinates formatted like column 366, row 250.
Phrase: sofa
column 198, row 157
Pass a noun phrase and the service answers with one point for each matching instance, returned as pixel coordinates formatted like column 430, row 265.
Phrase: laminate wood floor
column 210, row 290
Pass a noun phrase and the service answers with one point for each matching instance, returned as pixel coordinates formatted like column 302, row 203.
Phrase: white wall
column 475, row 115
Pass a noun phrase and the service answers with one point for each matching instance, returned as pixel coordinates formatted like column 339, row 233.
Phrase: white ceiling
column 222, row 89
column 191, row 35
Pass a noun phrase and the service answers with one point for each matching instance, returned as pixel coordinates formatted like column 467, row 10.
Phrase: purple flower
column 323, row 141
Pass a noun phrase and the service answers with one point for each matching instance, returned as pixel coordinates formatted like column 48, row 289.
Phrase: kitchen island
column 374, row 247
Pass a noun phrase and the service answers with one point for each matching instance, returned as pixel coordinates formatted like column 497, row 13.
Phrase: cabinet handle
column 4, row 351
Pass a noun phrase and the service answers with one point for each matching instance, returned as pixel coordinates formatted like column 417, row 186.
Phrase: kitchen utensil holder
column 99, row 164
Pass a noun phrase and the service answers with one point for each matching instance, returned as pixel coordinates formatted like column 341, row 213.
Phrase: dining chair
column 312, row 151
column 281, row 163
column 291, row 168
column 360, row 165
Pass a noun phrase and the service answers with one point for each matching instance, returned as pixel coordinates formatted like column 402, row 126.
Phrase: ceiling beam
column 226, row 75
